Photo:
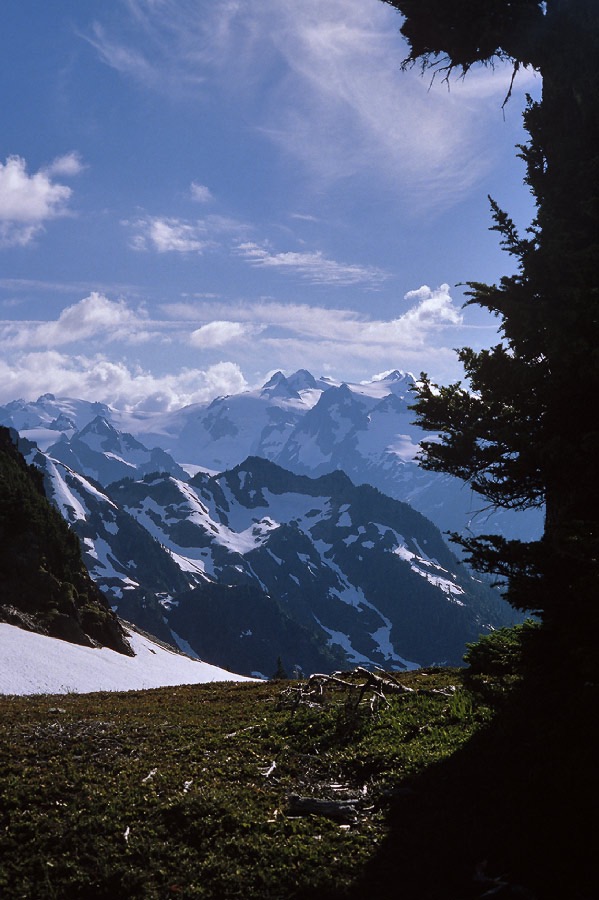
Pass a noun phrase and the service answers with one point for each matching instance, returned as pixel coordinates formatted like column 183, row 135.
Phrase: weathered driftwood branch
column 319, row 688
column 344, row 810
column 386, row 682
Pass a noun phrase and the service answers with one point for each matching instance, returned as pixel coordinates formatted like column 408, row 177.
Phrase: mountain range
column 306, row 425
column 207, row 542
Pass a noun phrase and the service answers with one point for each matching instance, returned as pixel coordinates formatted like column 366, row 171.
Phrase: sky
column 195, row 194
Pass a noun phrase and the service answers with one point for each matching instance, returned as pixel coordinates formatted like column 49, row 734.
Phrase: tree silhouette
column 524, row 433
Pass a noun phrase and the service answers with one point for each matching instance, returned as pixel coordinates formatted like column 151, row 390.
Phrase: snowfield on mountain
column 32, row 663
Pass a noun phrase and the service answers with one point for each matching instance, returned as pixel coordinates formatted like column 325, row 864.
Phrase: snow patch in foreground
column 32, row 663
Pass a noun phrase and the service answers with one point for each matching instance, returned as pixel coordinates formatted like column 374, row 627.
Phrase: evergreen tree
column 280, row 672
column 525, row 432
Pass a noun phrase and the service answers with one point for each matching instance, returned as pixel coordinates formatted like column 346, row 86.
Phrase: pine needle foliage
column 521, row 430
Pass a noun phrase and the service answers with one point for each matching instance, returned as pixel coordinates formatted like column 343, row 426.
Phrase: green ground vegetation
column 459, row 787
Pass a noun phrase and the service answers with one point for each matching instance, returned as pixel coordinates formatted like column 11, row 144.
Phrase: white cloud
column 313, row 266
column 430, row 311
column 165, row 234
column 28, row 201
column 69, row 164
column 115, row 382
column 215, row 334
column 90, row 317
column 264, row 335
column 345, row 342
column 168, row 235
column 200, row 193
column 324, row 83
column 434, row 309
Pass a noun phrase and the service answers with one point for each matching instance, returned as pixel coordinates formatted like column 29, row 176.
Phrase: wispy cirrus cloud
column 323, row 82
column 209, row 324
column 428, row 311
column 28, row 201
column 163, row 234
column 169, row 234
column 313, row 266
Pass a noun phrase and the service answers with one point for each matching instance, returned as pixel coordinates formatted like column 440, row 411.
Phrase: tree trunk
column 566, row 126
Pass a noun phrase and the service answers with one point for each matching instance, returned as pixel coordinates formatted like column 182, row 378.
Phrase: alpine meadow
column 300, row 636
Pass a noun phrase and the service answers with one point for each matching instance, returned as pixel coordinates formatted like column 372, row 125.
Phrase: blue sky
column 196, row 193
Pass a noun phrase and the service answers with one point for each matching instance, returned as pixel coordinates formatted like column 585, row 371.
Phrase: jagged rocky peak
column 397, row 381
column 98, row 425
column 279, row 386
column 256, row 473
column 62, row 423
column 99, row 433
column 342, row 399
column 302, row 380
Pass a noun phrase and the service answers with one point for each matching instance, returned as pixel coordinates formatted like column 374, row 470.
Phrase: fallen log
column 344, row 810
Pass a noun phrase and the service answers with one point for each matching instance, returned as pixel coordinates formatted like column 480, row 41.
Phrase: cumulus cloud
column 27, row 200
column 433, row 309
column 94, row 315
column 115, row 382
column 313, row 266
column 260, row 336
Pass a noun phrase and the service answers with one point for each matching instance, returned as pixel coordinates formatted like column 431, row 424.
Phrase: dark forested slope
column 44, row 585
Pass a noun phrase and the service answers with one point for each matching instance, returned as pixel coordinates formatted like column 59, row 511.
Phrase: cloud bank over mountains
column 203, row 193
column 62, row 355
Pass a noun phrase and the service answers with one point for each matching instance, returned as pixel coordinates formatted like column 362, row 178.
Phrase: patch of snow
column 193, row 469
column 382, row 637
column 32, row 663
column 70, row 507
column 343, row 640
column 278, row 561
column 403, row 553
column 183, row 645
column 187, row 564
column 88, row 547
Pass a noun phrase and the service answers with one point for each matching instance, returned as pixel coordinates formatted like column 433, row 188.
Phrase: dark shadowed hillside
column 44, row 585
